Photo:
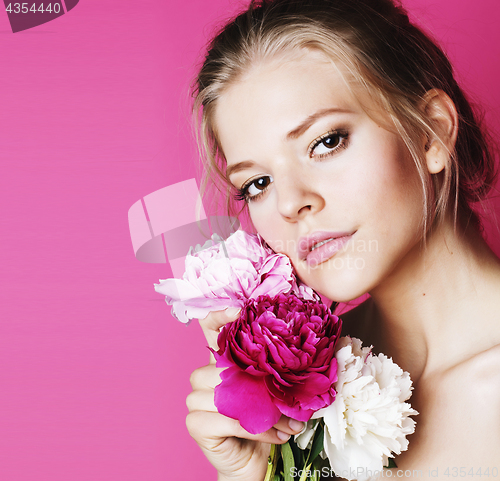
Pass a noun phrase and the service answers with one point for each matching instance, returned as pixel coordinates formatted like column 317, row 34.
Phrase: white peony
column 369, row 419
column 305, row 437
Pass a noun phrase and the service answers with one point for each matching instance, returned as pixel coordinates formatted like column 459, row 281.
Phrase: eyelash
column 343, row 136
column 242, row 194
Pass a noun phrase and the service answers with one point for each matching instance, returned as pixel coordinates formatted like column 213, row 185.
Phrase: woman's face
column 325, row 184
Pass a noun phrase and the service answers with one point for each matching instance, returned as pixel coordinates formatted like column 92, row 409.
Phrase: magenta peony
column 279, row 356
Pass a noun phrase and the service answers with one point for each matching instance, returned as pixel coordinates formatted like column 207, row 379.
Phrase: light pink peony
column 226, row 274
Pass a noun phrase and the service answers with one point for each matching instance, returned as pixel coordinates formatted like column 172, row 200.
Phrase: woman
column 340, row 124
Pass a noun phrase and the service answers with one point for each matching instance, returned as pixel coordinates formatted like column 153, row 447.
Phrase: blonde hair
column 395, row 61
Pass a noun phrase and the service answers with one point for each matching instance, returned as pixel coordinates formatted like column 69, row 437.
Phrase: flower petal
column 246, row 398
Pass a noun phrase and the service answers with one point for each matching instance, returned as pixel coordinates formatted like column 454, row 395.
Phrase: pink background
column 94, row 371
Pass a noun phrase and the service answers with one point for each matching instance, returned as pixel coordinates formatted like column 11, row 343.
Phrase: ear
column 442, row 115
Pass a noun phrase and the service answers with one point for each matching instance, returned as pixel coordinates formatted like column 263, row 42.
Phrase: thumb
column 212, row 324
column 215, row 320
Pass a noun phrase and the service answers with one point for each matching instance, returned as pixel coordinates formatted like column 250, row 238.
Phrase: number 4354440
column 25, row 8
column 462, row 472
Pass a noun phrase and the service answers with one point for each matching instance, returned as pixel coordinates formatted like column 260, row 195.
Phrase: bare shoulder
column 479, row 378
column 488, row 357
column 459, row 420
column 481, row 371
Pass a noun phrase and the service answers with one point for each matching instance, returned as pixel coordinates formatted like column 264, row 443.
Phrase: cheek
column 406, row 200
column 389, row 189
column 266, row 221
column 279, row 234
column 394, row 225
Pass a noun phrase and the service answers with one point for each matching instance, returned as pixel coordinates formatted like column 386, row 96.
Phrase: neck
column 438, row 307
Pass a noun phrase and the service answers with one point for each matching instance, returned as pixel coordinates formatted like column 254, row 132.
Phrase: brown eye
column 253, row 189
column 331, row 141
column 258, row 185
column 328, row 144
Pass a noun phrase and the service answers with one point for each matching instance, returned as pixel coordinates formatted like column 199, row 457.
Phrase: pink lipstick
column 321, row 246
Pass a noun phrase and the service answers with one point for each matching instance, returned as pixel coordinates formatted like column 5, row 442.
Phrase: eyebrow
column 232, row 169
column 293, row 134
column 297, row 132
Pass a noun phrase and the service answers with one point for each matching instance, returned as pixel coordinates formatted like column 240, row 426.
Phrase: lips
column 314, row 243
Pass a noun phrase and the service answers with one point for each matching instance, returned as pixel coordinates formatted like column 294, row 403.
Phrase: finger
column 217, row 319
column 208, row 428
column 206, row 377
column 289, row 425
column 201, row 401
column 212, row 360
column 212, row 324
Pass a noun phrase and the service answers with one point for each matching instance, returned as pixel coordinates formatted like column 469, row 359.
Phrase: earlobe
column 442, row 116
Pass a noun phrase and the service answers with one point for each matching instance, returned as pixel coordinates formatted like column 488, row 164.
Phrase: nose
column 298, row 195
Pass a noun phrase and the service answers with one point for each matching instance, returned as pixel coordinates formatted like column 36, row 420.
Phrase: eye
column 254, row 188
column 328, row 144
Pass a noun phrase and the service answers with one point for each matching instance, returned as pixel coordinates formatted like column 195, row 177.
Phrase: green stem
column 272, row 462
column 305, row 473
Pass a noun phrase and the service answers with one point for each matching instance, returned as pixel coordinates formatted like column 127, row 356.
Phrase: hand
column 234, row 452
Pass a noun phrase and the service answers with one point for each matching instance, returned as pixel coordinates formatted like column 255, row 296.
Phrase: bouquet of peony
column 284, row 355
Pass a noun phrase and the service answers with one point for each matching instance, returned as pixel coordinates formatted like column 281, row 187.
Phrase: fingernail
column 232, row 311
column 283, row 436
column 296, row 425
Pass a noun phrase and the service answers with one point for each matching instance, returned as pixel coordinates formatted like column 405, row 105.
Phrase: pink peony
column 226, row 274
column 280, row 359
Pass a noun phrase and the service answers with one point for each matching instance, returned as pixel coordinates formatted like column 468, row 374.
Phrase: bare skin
column 235, row 453
column 451, row 349
column 436, row 314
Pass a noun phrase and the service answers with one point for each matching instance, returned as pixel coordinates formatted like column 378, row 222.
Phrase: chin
column 343, row 296
column 342, row 285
